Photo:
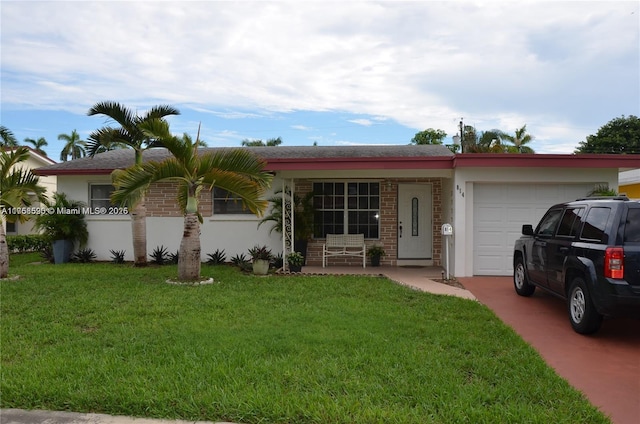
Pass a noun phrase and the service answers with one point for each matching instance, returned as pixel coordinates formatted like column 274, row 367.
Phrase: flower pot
column 375, row 260
column 260, row 267
column 62, row 250
column 295, row 268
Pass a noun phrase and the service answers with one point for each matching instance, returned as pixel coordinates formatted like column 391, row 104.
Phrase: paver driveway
column 604, row 366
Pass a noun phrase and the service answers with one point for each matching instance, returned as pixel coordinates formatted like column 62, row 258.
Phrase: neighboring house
column 630, row 183
column 35, row 160
column 398, row 196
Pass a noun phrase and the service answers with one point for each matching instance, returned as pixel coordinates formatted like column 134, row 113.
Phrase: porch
column 402, row 215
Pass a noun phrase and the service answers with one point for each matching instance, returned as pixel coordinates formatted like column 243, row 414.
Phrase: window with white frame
column 225, row 203
column 347, row 208
column 99, row 196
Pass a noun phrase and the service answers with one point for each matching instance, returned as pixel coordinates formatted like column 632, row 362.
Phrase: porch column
column 288, row 209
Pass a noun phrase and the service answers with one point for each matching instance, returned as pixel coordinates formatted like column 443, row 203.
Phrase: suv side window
column 571, row 222
column 547, row 226
column 632, row 226
column 595, row 224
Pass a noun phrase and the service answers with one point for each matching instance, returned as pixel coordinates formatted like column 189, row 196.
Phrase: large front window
column 347, row 208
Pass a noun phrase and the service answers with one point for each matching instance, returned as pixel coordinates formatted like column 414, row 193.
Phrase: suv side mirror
column 527, row 230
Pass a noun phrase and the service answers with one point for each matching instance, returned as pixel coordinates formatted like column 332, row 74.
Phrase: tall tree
column 618, row 136
column 519, row 141
column 17, row 186
column 7, row 139
column 236, row 170
column 38, row 144
column 270, row 142
column 429, row 136
column 74, row 147
column 131, row 134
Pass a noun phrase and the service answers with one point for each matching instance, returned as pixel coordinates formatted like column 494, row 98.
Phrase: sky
column 327, row 72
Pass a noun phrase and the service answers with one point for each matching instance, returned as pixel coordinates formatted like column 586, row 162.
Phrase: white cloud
column 301, row 127
column 572, row 65
column 363, row 122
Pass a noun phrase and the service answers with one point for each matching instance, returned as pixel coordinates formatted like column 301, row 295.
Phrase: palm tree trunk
column 4, row 251
column 189, row 254
column 139, row 230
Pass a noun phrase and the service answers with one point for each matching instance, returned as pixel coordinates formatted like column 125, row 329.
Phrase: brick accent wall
column 162, row 201
column 388, row 224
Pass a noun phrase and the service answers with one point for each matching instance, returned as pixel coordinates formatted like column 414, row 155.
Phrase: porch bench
column 344, row 245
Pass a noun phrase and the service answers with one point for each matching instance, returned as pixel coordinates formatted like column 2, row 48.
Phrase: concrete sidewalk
column 421, row 278
column 21, row 416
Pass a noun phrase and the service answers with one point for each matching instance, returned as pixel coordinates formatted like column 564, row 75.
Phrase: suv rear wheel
column 520, row 280
column 582, row 314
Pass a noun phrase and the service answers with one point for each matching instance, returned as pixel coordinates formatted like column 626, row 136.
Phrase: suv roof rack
column 623, row 197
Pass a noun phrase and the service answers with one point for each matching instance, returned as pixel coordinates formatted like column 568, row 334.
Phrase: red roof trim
column 470, row 160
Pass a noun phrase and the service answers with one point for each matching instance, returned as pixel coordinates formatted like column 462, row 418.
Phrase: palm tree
column 7, row 138
column 38, row 144
column 74, row 146
column 131, row 135
column 519, row 140
column 236, row 170
column 17, row 186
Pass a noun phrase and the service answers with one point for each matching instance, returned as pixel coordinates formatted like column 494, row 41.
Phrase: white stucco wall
column 463, row 195
column 234, row 234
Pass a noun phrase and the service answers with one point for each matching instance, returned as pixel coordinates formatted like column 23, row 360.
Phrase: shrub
column 26, row 243
column 117, row 256
column 216, row 258
column 260, row 253
column 173, row 257
column 84, row 256
column 159, row 256
column 239, row 259
column 277, row 261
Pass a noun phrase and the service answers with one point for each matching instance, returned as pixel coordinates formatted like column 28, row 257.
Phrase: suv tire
column 520, row 280
column 582, row 314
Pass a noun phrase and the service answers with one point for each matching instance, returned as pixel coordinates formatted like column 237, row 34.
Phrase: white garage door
column 499, row 210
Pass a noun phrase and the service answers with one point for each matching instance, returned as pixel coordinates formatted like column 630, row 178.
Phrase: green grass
column 278, row 349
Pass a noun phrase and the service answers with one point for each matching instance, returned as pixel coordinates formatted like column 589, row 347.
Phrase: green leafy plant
column 159, row 256
column 277, row 261
column 239, row 260
column 376, row 250
column 26, row 243
column 117, row 256
column 260, row 253
column 218, row 257
column 602, row 190
column 84, row 256
column 173, row 258
column 303, row 213
column 65, row 222
column 295, row 259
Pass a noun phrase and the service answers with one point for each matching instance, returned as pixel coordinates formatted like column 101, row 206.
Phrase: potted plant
column 63, row 226
column 261, row 256
column 302, row 217
column 375, row 252
column 295, row 261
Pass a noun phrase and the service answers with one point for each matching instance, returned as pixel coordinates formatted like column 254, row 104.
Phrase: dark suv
column 587, row 252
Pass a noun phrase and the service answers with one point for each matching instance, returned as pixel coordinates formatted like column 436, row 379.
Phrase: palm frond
column 160, row 111
column 114, row 110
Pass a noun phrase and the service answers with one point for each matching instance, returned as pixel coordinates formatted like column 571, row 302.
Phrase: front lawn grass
column 277, row 349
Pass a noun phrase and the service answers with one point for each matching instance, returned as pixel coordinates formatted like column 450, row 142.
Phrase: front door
column 415, row 221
